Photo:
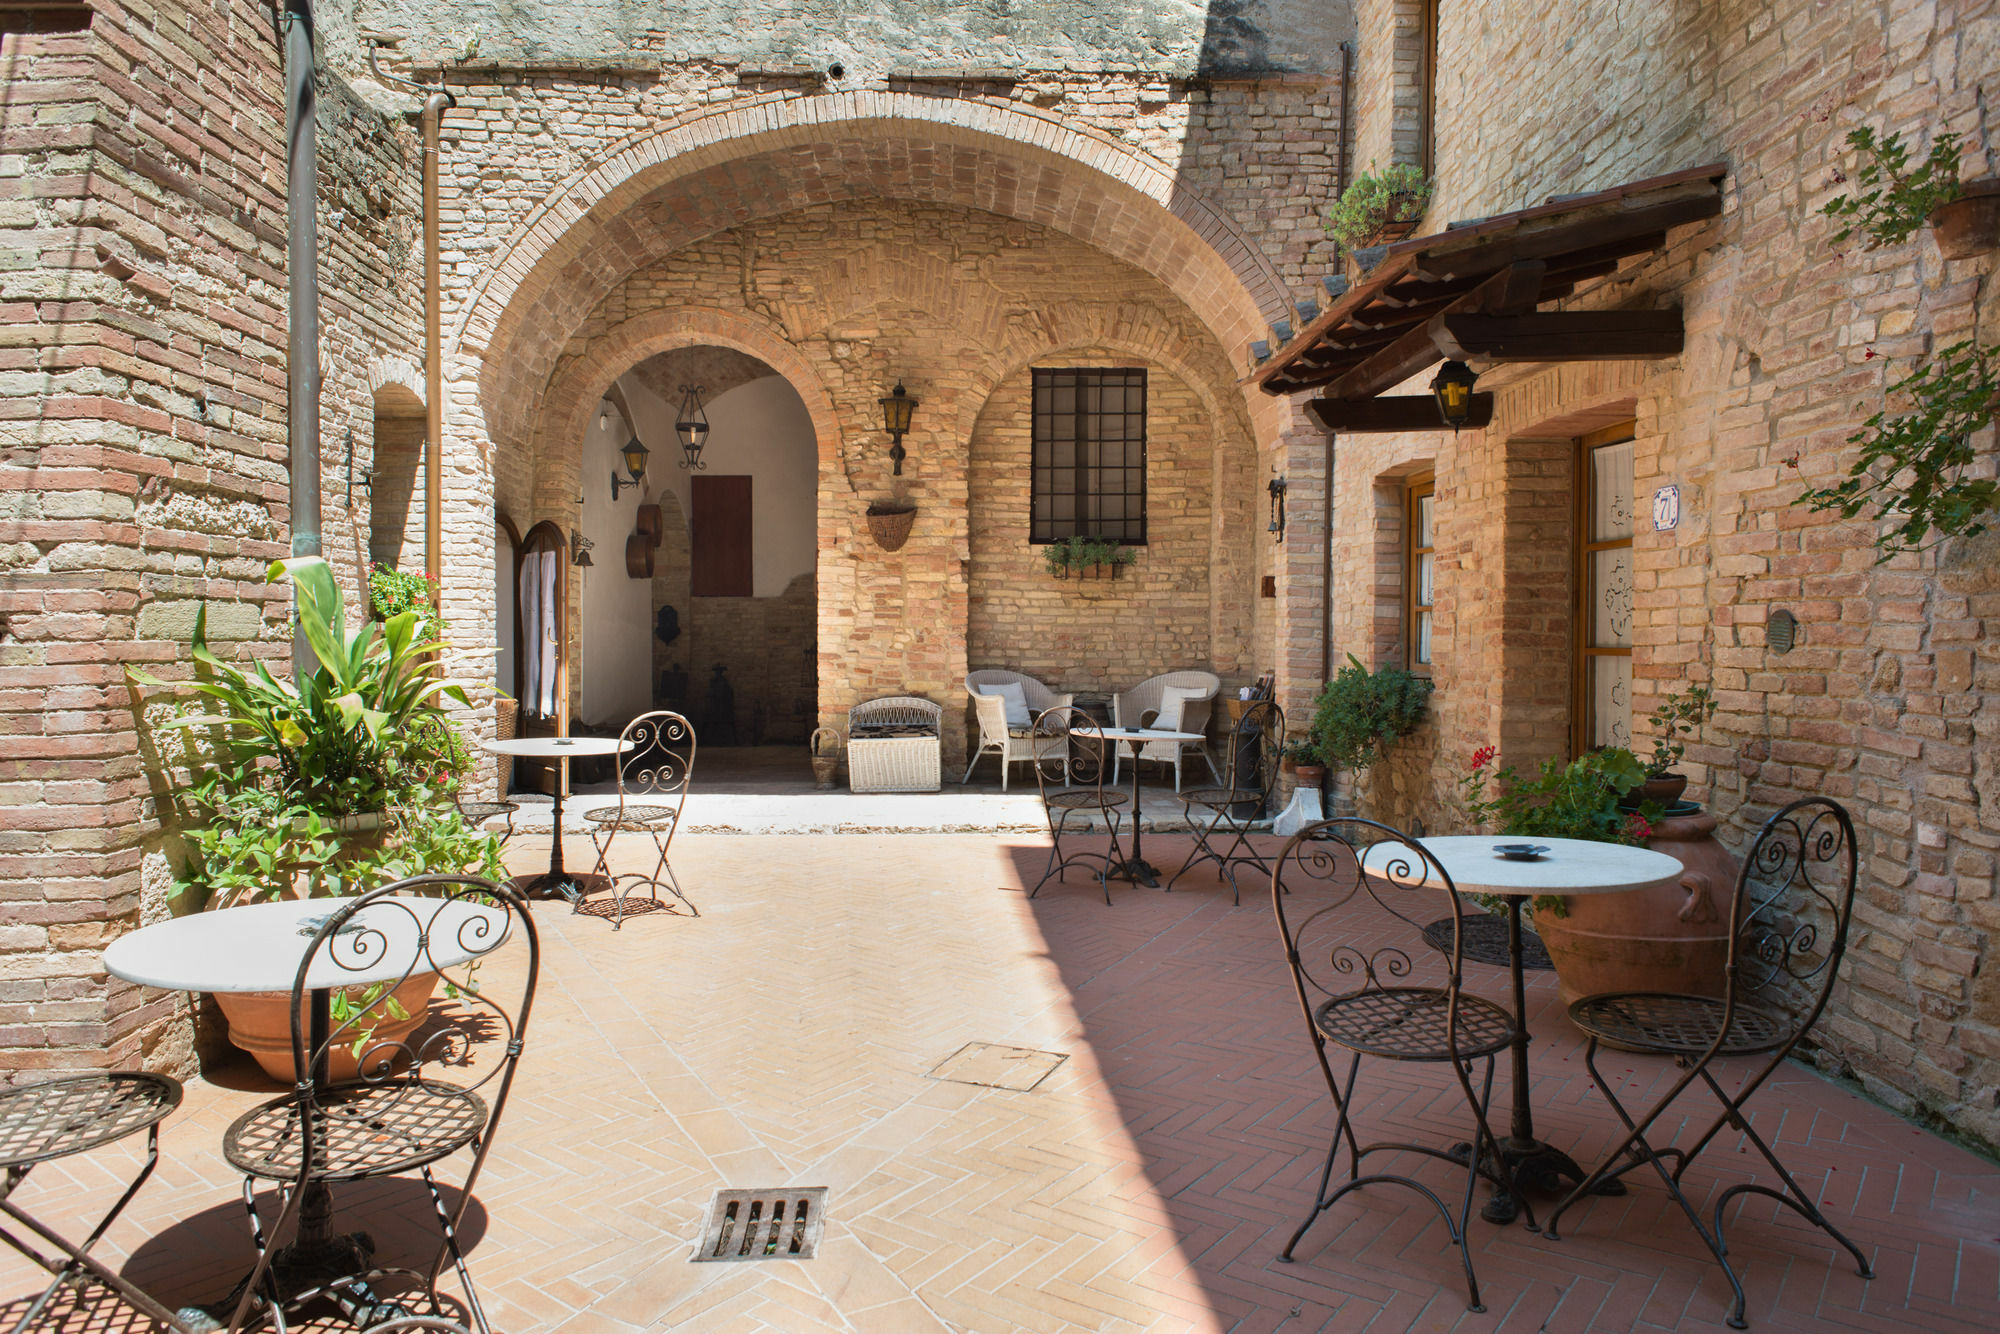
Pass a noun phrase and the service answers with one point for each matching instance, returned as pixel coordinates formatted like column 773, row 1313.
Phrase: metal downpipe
column 302, row 306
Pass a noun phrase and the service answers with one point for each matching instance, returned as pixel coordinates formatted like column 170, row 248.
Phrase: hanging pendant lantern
column 691, row 425
column 1452, row 388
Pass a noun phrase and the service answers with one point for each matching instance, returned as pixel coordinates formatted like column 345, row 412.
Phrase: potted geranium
column 1680, row 714
column 329, row 785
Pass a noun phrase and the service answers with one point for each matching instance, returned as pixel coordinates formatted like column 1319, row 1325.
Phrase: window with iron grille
column 1089, row 463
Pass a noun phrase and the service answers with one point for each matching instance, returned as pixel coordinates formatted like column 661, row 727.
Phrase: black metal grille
column 1089, row 457
column 769, row 1224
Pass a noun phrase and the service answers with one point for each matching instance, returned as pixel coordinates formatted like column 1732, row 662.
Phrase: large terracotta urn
column 260, row 1023
column 1673, row 938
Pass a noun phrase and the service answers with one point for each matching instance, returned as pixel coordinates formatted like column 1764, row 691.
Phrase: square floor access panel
column 993, row 1066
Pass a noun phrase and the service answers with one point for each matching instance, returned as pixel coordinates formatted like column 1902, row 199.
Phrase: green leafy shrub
column 1377, row 200
column 1894, row 200
column 1575, row 800
column 1912, row 464
column 1359, row 711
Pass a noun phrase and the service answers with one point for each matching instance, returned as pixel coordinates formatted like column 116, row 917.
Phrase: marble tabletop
column 258, row 946
column 1570, row 866
column 556, row 747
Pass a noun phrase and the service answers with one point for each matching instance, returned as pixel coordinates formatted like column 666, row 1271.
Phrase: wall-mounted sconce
column 1277, row 490
column 897, row 409
column 579, row 550
column 604, row 415
column 367, row 478
column 691, row 425
column 1452, row 388
column 635, row 464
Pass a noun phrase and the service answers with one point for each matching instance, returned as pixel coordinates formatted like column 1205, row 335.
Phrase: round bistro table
column 1136, row 868
column 562, row 748
column 258, row 947
column 1570, row 866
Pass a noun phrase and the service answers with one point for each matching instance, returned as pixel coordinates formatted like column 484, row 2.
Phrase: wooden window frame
column 1419, row 486
column 1581, row 651
column 1040, row 535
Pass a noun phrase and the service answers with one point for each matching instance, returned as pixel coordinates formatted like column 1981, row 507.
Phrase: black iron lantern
column 1452, row 388
column 897, row 409
column 691, row 425
column 635, row 464
column 1277, row 528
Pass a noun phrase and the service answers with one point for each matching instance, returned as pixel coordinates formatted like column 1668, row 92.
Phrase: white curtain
column 539, row 630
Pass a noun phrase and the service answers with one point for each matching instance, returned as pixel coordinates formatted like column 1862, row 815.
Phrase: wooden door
column 720, row 536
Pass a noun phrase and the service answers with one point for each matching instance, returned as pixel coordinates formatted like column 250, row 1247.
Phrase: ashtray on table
column 1520, row 852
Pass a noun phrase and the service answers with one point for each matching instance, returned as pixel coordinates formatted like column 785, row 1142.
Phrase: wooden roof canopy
column 1472, row 293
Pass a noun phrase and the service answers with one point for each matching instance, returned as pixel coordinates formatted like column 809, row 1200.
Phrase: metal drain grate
column 769, row 1224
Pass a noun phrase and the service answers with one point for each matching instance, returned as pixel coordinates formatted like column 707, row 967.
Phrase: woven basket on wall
column 890, row 525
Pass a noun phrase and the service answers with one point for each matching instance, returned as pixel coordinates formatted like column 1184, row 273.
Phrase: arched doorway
column 703, row 600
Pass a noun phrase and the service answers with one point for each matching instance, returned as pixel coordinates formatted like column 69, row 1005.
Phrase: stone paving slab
column 787, row 1035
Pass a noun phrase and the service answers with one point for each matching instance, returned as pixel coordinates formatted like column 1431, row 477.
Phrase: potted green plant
column 1895, row 198
column 1668, row 938
column 1679, row 715
column 1359, row 712
column 1091, row 556
column 1378, row 208
column 1307, row 763
column 328, row 785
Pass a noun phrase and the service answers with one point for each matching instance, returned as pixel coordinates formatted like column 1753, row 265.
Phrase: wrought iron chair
column 1792, row 905
column 653, row 781
column 1072, row 761
column 60, row 1117
column 1356, row 992
column 1249, row 775
column 418, row 1101
column 477, row 813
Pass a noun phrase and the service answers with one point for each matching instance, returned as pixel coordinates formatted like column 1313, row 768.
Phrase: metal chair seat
column 1084, row 799
column 367, row 1129
column 1408, row 1024
column 1673, row 1025
column 479, row 812
column 79, row 1113
column 635, row 817
column 1220, row 798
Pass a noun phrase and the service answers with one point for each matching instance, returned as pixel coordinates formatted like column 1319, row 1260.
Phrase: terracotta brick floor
column 784, row 1038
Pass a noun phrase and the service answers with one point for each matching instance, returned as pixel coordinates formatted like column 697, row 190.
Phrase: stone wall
column 1889, row 703
column 143, row 461
column 767, row 649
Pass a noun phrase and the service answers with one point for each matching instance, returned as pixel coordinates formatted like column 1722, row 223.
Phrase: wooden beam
column 1404, row 412
column 1418, row 349
column 1567, row 335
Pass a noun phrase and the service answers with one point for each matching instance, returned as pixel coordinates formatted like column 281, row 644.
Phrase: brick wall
column 142, row 454
column 767, row 647
column 1889, row 702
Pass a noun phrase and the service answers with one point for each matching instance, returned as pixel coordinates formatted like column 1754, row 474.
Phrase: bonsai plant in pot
column 1669, row 938
column 327, row 786
column 1680, row 714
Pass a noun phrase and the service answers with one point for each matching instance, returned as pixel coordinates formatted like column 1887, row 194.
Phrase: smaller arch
column 397, row 386
column 576, row 390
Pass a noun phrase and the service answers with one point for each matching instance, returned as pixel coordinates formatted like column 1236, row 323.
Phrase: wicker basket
column 894, row 763
column 825, row 746
column 506, row 712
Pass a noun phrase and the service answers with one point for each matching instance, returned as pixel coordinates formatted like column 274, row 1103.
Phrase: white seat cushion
column 1017, row 703
column 1173, row 706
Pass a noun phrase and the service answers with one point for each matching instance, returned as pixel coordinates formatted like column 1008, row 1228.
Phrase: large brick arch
column 720, row 169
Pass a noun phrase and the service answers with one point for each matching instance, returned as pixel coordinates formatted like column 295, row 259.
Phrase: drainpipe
column 1326, row 539
column 302, row 267
column 434, row 109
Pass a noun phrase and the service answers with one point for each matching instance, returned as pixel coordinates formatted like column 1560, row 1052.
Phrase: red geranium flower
column 1483, row 757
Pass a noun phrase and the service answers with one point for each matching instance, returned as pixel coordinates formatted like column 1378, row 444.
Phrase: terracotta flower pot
column 1673, row 938
column 1311, row 775
column 1970, row 224
column 890, row 525
column 1666, row 790
column 260, row 1023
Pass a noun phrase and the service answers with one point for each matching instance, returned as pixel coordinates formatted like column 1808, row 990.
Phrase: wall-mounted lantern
column 897, row 409
column 1452, row 388
column 691, row 425
column 635, row 464
column 1277, row 490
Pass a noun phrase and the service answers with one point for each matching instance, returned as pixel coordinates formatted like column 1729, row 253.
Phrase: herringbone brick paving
column 1147, row 1184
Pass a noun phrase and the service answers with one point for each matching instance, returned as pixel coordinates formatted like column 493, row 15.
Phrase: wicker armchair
column 1012, row 744
column 1136, row 708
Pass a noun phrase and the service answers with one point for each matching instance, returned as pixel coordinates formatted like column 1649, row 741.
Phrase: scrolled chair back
column 661, row 761
column 1264, row 721
column 1071, row 750
column 1350, row 895
column 452, row 925
column 1793, row 904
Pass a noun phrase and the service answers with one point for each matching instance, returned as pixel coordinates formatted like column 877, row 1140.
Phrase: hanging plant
column 1912, row 467
column 1894, row 199
column 1380, row 206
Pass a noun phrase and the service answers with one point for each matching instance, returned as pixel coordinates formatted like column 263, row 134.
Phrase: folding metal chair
column 1249, row 775
column 1072, row 760
column 1791, row 907
column 60, row 1117
column 653, row 778
column 1357, row 992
